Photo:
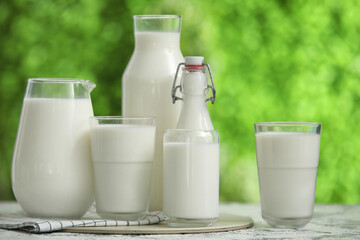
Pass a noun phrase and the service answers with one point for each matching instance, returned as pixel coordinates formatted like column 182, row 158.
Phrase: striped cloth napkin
column 18, row 220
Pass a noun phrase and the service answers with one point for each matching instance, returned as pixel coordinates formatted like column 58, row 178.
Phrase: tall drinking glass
column 287, row 160
column 122, row 154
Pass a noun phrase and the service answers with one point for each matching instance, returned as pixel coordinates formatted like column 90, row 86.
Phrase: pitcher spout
column 90, row 85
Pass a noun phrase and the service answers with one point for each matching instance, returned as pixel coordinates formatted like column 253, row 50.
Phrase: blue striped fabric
column 20, row 221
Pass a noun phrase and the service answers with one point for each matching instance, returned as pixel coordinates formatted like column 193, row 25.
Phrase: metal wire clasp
column 212, row 86
column 175, row 87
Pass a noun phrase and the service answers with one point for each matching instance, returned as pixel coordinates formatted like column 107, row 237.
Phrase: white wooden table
column 329, row 222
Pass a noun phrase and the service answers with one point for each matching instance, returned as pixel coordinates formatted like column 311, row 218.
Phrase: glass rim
column 287, row 124
column 121, row 118
column 58, row 80
column 169, row 16
column 189, row 131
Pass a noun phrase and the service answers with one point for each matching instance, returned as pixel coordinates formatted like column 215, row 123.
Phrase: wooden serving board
column 226, row 222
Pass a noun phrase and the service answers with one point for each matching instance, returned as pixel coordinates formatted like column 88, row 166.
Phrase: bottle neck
column 157, row 40
column 194, row 113
column 194, row 83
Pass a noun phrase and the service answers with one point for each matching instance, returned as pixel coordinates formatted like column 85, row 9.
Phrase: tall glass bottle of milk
column 147, row 81
column 195, row 88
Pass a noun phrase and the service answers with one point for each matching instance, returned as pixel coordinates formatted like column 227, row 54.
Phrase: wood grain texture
column 226, row 222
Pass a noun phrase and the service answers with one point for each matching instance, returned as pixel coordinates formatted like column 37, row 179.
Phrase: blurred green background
column 272, row 60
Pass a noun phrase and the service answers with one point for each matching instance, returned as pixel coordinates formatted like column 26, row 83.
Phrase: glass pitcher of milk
column 51, row 168
column 147, row 81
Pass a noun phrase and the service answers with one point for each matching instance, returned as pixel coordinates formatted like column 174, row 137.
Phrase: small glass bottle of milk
column 147, row 81
column 191, row 153
column 191, row 177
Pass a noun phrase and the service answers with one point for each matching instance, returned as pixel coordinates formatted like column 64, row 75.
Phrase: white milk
column 194, row 112
column 146, row 92
column 52, row 173
column 287, row 167
column 191, row 180
column 122, row 160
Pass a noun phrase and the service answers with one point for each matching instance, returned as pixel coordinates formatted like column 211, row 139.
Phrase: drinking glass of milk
column 287, row 160
column 122, row 155
column 51, row 167
column 191, row 177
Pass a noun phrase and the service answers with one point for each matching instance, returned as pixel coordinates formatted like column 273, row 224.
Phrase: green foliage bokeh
column 271, row 61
